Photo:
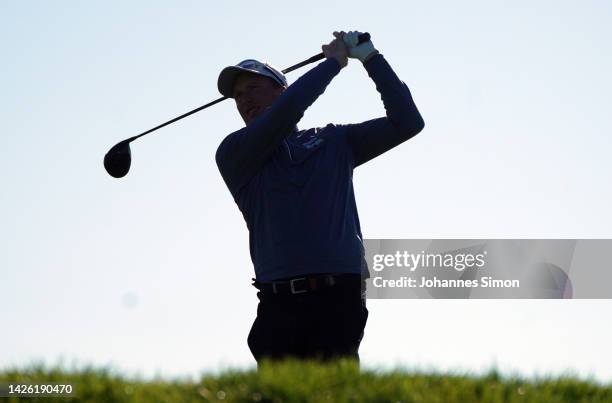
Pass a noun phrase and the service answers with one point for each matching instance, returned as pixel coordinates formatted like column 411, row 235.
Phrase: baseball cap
column 229, row 74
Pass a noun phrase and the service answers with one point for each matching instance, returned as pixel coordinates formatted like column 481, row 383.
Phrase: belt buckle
column 291, row 284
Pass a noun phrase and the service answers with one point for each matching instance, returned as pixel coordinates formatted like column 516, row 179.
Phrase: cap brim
column 228, row 75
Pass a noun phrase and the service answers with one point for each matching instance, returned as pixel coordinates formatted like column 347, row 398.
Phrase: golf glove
column 355, row 51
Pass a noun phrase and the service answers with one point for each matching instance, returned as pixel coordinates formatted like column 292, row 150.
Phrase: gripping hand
column 363, row 52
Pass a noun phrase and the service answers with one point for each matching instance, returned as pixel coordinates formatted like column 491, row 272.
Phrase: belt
column 298, row 285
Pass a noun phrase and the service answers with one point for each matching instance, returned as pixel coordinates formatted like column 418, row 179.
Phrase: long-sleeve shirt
column 295, row 187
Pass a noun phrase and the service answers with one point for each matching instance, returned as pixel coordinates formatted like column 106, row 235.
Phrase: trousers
column 323, row 324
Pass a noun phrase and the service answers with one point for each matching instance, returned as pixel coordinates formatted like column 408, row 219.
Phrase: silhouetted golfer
column 295, row 190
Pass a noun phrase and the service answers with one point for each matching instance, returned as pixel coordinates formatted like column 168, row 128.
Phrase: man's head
column 253, row 85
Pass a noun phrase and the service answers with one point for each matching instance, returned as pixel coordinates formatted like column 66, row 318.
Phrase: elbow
column 411, row 127
column 420, row 125
column 417, row 124
column 413, row 121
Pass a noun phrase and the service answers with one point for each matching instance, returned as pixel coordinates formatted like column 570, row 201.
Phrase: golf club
column 118, row 159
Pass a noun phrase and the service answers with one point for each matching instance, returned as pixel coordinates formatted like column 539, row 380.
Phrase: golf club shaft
column 362, row 38
column 178, row 118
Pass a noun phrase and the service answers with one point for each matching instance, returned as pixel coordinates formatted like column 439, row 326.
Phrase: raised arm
column 243, row 153
column 373, row 137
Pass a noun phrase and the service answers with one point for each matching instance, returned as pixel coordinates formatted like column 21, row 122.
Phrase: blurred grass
column 300, row 381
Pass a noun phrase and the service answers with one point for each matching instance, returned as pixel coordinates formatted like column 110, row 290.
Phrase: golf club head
column 118, row 159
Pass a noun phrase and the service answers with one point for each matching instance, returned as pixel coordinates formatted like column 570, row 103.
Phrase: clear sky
column 151, row 273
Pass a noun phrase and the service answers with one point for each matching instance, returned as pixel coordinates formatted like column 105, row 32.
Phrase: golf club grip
column 362, row 38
